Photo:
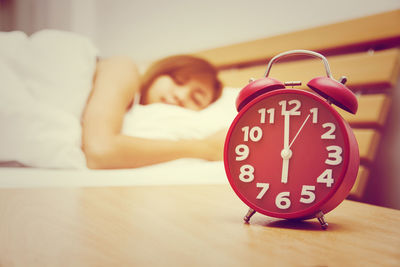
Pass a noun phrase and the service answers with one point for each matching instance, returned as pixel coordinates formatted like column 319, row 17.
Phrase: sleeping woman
column 184, row 81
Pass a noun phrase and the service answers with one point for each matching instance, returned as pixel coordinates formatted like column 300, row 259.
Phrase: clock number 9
column 242, row 152
column 246, row 173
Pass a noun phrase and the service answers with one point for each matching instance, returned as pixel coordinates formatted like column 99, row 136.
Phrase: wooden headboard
column 366, row 50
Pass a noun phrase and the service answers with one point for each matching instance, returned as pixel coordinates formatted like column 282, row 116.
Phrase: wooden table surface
column 187, row 225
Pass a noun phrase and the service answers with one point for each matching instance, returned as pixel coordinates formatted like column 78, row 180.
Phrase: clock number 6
column 282, row 200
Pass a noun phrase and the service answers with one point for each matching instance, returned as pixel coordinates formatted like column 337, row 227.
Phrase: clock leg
column 321, row 219
column 248, row 215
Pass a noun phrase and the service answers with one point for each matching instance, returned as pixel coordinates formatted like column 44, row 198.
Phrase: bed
column 370, row 60
column 45, row 81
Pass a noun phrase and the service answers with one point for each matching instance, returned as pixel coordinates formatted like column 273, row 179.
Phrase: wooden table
column 187, row 225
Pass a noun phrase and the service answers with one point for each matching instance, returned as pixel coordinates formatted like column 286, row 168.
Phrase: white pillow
column 45, row 80
column 162, row 121
column 57, row 67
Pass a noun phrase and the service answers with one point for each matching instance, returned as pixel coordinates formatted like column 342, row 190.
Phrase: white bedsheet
column 179, row 172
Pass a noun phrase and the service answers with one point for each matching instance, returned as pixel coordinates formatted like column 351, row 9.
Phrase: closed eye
column 199, row 98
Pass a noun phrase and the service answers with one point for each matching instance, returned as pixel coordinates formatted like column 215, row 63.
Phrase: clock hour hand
column 286, row 154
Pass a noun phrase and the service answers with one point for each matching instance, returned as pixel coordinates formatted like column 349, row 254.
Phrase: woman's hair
column 182, row 69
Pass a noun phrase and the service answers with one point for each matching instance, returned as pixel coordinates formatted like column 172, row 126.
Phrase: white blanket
column 45, row 80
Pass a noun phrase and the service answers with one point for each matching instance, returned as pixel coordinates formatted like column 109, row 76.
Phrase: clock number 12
column 294, row 111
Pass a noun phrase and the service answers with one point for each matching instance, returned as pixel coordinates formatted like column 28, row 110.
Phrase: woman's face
column 194, row 94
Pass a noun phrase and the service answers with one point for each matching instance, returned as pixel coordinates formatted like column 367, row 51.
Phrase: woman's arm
column 116, row 83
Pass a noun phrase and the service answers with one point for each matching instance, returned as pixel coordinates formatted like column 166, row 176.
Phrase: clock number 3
column 334, row 158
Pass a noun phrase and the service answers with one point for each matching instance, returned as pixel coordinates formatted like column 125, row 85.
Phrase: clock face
column 286, row 153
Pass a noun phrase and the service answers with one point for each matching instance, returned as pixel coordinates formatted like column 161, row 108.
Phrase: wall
column 147, row 30
column 6, row 18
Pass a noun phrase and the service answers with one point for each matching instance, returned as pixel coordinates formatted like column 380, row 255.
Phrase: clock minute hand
column 298, row 132
column 285, row 153
column 285, row 169
column 286, row 131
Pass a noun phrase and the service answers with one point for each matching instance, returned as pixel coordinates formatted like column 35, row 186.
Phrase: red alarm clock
column 288, row 153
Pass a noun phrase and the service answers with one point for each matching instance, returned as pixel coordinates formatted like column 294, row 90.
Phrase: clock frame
column 288, row 153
